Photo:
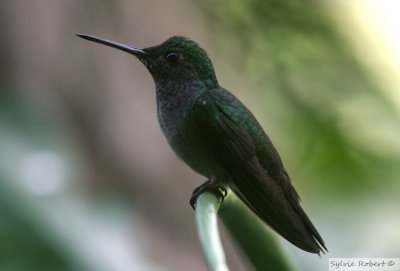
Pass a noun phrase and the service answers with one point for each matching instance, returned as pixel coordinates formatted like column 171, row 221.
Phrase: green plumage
column 218, row 137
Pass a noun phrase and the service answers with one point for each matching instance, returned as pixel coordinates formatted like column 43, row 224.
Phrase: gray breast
column 173, row 103
column 173, row 110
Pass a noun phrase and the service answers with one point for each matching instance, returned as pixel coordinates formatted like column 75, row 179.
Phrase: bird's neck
column 173, row 95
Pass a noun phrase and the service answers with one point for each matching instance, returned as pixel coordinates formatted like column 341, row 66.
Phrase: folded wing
column 233, row 149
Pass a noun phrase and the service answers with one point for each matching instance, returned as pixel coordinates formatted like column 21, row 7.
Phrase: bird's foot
column 208, row 186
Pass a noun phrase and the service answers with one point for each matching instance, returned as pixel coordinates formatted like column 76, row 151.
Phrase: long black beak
column 129, row 49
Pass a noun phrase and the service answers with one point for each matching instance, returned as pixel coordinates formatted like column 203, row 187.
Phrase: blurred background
column 87, row 181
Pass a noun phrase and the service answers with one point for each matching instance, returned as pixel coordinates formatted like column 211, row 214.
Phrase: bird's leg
column 211, row 187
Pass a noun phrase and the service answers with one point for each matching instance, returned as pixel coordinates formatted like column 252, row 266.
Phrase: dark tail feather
column 310, row 227
column 267, row 199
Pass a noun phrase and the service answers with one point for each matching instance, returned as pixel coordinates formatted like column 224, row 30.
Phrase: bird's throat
column 173, row 102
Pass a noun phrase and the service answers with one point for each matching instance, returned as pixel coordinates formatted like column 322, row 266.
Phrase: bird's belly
column 185, row 140
column 193, row 152
column 191, row 148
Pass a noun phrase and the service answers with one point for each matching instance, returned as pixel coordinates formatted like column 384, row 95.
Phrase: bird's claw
column 220, row 191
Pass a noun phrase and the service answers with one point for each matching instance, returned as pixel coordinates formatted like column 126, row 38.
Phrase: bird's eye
column 172, row 57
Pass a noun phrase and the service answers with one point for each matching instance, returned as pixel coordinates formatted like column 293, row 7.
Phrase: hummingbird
column 214, row 133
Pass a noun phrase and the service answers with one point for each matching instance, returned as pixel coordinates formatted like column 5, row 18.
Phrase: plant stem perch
column 207, row 206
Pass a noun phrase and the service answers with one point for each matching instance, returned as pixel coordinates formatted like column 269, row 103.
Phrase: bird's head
column 177, row 59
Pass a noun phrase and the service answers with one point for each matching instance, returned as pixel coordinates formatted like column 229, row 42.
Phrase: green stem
column 207, row 206
column 252, row 235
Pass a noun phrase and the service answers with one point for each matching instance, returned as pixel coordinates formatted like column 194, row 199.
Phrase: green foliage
column 22, row 249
